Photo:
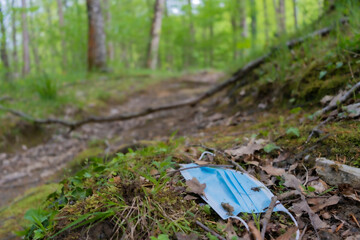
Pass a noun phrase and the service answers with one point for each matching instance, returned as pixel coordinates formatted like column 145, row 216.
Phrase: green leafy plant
column 161, row 237
column 293, row 131
column 46, row 87
column 270, row 147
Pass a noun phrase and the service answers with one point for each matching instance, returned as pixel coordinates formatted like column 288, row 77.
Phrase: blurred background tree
column 63, row 36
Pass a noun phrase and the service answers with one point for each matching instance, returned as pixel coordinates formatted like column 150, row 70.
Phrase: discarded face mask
column 239, row 191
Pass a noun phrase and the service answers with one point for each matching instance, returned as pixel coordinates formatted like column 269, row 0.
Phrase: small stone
column 334, row 173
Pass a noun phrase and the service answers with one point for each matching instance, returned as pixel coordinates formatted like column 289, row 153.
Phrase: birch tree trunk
column 62, row 33
column 33, row 44
column 25, row 40
column 153, row 50
column 243, row 17
column 14, row 43
column 96, row 38
column 266, row 21
column 110, row 45
column 190, row 56
column 282, row 16
column 295, row 10
column 3, row 53
column 253, row 23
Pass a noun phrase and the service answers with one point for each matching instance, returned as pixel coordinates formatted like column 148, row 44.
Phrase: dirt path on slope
column 36, row 165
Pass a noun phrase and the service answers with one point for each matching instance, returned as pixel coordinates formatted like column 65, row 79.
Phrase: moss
column 11, row 217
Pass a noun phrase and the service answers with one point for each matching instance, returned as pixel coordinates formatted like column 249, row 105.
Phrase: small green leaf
column 322, row 74
column 311, row 189
column 295, row 110
column 339, row 64
column 270, row 147
column 293, row 131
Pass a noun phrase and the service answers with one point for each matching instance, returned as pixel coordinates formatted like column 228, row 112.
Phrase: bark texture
column 153, row 49
column 25, row 40
column 62, row 32
column 13, row 38
column 3, row 50
column 96, row 38
column 110, row 44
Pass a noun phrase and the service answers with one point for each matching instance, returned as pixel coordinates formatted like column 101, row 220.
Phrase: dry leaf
column 289, row 233
column 199, row 162
column 250, row 148
column 195, row 186
column 281, row 157
column 291, row 181
column 230, row 231
column 321, row 203
column 273, row 171
column 184, row 236
column 189, row 197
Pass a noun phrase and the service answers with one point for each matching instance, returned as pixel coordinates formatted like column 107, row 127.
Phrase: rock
column 334, row 173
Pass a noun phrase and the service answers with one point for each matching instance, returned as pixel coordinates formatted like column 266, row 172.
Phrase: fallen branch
column 333, row 106
column 238, row 75
column 209, row 230
column 267, row 216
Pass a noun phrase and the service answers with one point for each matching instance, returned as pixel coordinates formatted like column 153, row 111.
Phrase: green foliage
column 46, row 87
column 160, row 237
column 293, row 131
column 322, row 74
column 270, row 147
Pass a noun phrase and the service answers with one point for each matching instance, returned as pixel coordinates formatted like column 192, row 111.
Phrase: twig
column 288, row 194
column 345, row 97
column 303, row 232
column 317, row 128
column 209, row 230
column 222, row 153
column 255, row 232
column 305, row 151
column 351, row 71
column 267, row 216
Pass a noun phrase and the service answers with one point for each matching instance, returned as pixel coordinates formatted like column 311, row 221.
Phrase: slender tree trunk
column 33, row 44
column 211, row 48
column 295, row 12
column 110, row 44
column 234, row 34
column 192, row 35
column 96, row 38
column 253, row 24
column 153, row 49
column 25, row 40
column 14, row 42
column 3, row 53
column 282, row 16
column 62, row 33
column 266, row 21
column 243, row 17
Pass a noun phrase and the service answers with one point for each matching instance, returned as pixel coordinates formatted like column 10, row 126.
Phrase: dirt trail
column 34, row 166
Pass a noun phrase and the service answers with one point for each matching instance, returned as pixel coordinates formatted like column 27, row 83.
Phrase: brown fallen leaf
column 291, row 181
column 230, row 231
column 189, row 197
column 184, row 236
column 321, row 203
column 195, row 186
column 254, row 231
column 288, row 234
column 250, row 148
column 273, row 171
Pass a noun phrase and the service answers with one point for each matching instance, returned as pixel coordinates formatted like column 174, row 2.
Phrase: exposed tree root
column 237, row 76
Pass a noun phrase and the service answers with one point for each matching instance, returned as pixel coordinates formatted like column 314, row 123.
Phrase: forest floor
column 218, row 123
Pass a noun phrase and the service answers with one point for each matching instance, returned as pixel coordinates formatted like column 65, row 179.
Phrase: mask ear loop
column 203, row 154
column 242, row 221
column 294, row 220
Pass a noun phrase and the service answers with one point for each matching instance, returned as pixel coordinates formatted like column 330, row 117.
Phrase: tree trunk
column 25, row 40
column 14, row 43
column 3, row 53
column 33, row 45
column 282, row 16
column 234, row 27
column 96, row 38
column 190, row 59
column 153, row 49
column 211, row 47
column 62, row 33
column 243, row 17
column 253, row 24
column 110, row 45
column 295, row 10
column 266, row 21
